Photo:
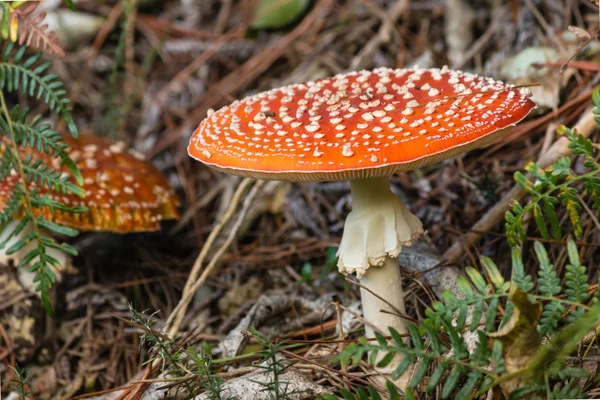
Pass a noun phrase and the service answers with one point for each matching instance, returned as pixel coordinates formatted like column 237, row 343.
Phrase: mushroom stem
column 386, row 282
column 374, row 233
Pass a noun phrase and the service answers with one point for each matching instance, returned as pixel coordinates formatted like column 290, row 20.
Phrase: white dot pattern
column 123, row 193
column 358, row 125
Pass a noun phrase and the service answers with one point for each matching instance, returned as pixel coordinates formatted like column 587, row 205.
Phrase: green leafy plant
column 274, row 365
column 370, row 393
column 22, row 138
column 557, row 184
column 19, row 384
column 161, row 346
column 438, row 352
column 202, row 366
column 190, row 368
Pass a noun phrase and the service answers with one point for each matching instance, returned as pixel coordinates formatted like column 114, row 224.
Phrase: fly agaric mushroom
column 362, row 127
column 124, row 193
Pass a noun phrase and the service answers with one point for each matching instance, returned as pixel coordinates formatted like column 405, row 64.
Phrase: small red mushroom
column 124, row 193
column 362, row 127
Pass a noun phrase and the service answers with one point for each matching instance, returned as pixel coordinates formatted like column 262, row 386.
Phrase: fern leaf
column 576, row 280
column 417, row 342
column 592, row 185
column 522, row 280
column 5, row 21
column 473, row 378
column 514, row 226
column 497, row 358
column 569, row 199
column 436, row 376
column 49, row 88
column 32, row 31
column 393, row 393
column 452, row 381
column 434, row 341
column 549, row 283
column 476, row 315
column 540, row 221
column 482, row 353
column 567, row 392
column 419, row 372
column 550, row 209
column 406, row 362
column 494, row 274
column 551, row 315
column 43, row 139
column 373, row 394
column 459, row 347
column 477, row 280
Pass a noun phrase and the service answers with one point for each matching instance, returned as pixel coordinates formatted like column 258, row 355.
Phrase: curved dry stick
column 585, row 126
column 193, row 282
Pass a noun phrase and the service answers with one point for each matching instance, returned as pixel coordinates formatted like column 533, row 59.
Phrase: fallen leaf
column 519, row 338
column 274, row 14
column 580, row 33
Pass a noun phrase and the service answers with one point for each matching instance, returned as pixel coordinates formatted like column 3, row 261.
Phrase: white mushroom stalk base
column 25, row 277
column 374, row 233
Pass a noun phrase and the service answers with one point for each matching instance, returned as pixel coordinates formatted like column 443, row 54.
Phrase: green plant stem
column 28, row 206
column 557, row 300
column 568, row 182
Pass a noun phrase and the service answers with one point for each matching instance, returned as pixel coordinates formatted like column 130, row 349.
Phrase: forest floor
column 148, row 71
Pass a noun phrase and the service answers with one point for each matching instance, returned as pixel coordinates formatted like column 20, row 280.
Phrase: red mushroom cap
column 358, row 125
column 124, row 193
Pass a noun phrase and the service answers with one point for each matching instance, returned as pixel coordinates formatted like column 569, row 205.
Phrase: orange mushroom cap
column 358, row 125
column 124, row 193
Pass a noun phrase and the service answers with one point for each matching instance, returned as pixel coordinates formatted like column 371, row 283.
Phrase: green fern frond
column 42, row 175
column 23, row 73
column 592, row 186
column 417, row 353
column 12, row 206
column 563, row 392
column 437, row 351
column 557, row 184
column 576, row 280
column 520, row 278
column 41, row 138
column 548, row 285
